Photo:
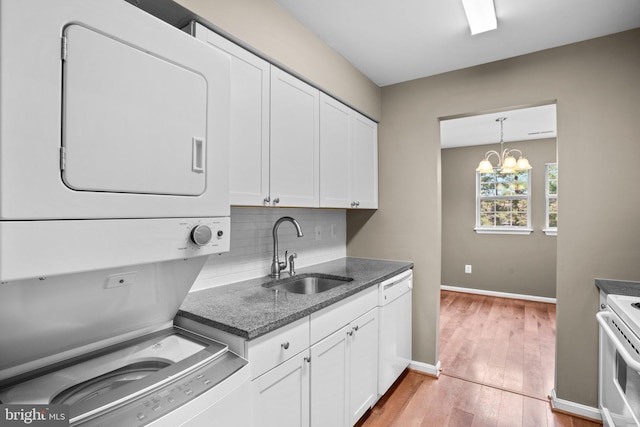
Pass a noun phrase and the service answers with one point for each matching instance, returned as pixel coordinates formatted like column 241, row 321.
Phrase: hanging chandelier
column 507, row 163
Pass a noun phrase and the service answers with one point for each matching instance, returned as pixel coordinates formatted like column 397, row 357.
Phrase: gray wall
column 503, row 263
column 596, row 87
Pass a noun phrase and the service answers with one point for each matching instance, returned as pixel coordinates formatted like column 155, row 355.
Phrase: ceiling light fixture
column 507, row 163
column 481, row 15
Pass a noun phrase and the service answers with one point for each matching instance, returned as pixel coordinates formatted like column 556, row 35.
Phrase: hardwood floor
column 497, row 356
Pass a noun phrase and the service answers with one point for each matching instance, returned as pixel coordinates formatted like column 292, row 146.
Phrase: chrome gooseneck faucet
column 276, row 265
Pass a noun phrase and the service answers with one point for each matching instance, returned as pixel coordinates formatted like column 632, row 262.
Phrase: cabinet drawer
column 330, row 319
column 268, row 351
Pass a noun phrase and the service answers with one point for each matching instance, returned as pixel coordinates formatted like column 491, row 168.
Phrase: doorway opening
column 497, row 306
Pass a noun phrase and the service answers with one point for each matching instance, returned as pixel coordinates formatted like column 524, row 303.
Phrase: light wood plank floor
column 497, row 356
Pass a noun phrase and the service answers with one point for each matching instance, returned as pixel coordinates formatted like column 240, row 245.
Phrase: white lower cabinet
column 281, row 396
column 344, row 373
column 363, row 363
column 330, row 380
column 320, row 371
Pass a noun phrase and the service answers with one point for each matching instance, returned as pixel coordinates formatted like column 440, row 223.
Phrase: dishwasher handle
column 402, row 277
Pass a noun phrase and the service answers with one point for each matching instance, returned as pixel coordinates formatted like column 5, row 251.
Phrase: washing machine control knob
column 201, row 234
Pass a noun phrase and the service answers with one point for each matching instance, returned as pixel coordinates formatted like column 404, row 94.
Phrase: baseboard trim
column 498, row 294
column 573, row 408
column 425, row 368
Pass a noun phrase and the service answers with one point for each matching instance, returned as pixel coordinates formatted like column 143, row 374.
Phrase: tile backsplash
column 252, row 243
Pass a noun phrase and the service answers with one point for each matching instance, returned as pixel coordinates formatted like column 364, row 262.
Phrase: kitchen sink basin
column 308, row 283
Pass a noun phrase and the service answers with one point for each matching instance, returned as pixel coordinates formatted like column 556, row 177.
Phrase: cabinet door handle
column 285, row 345
column 350, row 333
column 276, row 200
column 307, row 359
column 267, row 200
column 355, row 328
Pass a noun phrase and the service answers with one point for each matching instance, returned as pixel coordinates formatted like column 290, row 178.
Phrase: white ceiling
column 520, row 125
column 395, row 41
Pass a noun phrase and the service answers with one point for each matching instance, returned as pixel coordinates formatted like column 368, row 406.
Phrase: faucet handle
column 283, row 265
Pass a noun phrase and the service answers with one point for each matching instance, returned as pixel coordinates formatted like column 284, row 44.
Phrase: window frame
column 514, row 230
column 548, row 230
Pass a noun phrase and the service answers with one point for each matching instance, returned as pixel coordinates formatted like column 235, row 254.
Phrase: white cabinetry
column 348, row 157
column 344, row 365
column 249, row 130
column 281, row 396
column 364, row 148
column 363, row 364
column 277, row 122
column 280, row 376
column 295, row 141
column 343, row 373
column 330, row 380
column 333, row 382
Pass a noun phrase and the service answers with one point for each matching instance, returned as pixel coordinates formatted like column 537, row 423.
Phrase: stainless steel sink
column 308, row 283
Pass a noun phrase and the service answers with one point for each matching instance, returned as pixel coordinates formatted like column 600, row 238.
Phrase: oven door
column 109, row 113
column 619, row 379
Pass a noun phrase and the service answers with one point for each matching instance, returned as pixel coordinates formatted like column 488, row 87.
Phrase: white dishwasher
column 394, row 302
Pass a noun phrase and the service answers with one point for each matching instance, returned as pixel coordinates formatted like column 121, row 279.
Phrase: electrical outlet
column 318, row 232
column 333, row 231
column 467, row 268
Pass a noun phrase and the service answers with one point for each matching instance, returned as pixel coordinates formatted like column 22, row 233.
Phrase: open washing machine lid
column 49, row 320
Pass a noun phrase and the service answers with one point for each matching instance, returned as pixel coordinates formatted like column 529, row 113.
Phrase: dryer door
column 132, row 121
column 106, row 112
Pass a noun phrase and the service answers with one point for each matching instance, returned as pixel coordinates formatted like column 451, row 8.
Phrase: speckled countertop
column 249, row 310
column 619, row 287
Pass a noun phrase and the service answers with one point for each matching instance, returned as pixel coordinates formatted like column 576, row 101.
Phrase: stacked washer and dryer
column 113, row 192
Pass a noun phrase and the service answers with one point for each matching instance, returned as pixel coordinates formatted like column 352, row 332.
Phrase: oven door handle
column 602, row 318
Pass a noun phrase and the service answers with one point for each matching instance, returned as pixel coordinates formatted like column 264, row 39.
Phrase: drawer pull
column 285, row 345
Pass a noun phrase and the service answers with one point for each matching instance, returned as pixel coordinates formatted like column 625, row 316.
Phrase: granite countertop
column 619, row 287
column 249, row 310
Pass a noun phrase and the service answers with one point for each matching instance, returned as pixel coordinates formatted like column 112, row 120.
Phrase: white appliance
column 113, row 192
column 619, row 358
column 106, row 113
column 394, row 302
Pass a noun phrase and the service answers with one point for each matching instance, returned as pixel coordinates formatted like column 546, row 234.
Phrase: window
column 551, row 196
column 503, row 203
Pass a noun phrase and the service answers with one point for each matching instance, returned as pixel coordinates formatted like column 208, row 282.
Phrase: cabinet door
column 330, row 381
column 249, row 132
column 363, row 354
column 335, row 153
column 281, row 396
column 364, row 146
column 295, row 148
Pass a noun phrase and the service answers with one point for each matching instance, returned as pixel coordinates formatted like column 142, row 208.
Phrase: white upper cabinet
column 364, row 164
column 290, row 144
column 295, row 147
column 335, row 153
column 249, row 130
column 348, row 157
